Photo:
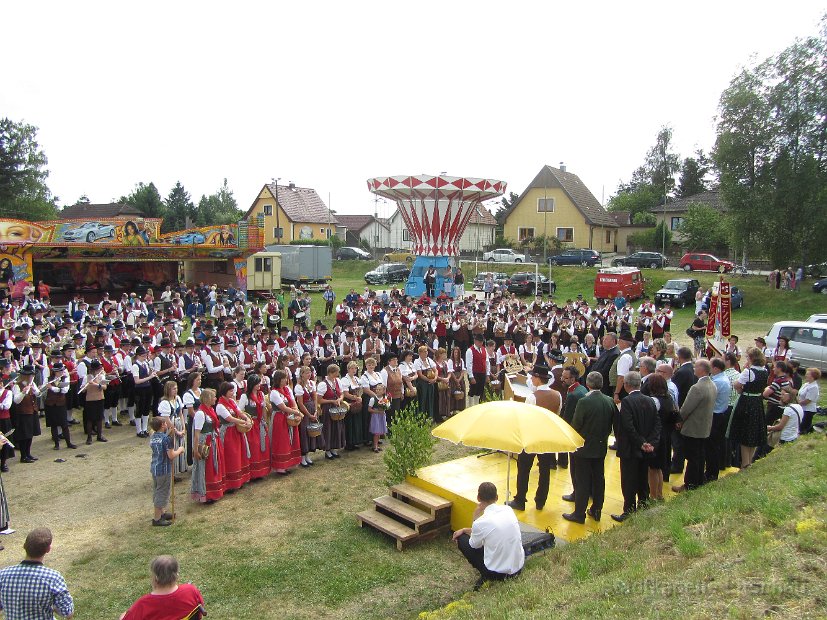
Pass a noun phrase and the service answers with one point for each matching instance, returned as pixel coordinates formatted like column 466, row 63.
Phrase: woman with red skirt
column 252, row 403
column 234, row 428
column 207, row 483
column 285, row 447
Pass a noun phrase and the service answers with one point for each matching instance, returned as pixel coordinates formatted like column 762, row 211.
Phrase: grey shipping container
column 304, row 264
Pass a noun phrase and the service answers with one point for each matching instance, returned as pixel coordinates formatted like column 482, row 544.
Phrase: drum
column 300, row 316
column 337, row 413
column 314, row 429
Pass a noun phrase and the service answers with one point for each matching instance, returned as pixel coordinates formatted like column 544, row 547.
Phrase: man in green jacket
column 593, row 420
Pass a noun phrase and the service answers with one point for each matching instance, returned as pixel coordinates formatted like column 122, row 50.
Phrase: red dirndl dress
column 258, row 438
column 236, row 450
column 214, row 464
column 285, row 448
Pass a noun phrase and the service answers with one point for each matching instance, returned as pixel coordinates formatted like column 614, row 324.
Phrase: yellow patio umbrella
column 510, row 426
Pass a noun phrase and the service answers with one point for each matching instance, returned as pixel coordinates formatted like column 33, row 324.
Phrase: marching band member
column 93, row 385
column 142, row 376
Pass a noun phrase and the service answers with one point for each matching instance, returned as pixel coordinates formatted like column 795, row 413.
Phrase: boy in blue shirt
column 161, row 466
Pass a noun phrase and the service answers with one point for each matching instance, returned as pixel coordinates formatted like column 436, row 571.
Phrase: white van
column 817, row 318
column 808, row 341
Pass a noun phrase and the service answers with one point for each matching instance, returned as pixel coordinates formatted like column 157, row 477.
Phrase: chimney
column 562, row 166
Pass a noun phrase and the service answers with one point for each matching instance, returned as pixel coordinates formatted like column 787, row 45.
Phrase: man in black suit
column 637, row 433
column 604, row 362
column 684, row 378
column 593, row 417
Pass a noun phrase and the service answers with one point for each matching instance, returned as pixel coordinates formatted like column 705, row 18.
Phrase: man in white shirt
column 493, row 544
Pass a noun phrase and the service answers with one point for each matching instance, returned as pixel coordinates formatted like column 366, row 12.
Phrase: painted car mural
column 89, row 232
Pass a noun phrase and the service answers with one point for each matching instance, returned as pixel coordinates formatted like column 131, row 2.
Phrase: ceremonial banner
column 725, row 304
column 713, row 310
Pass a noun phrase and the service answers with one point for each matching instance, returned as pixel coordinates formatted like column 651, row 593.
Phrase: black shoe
column 116, row 423
column 107, row 425
column 569, row 497
column 167, row 516
column 613, row 446
column 335, row 455
column 564, row 465
column 516, row 504
column 329, row 457
column 132, row 423
column 4, row 468
column 594, row 514
column 304, row 464
column 621, row 517
column 538, row 505
column 553, row 467
column 89, row 440
column 161, row 522
column 570, row 516
column 27, row 459
column 103, row 439
column 34, row 458
column 71, row 446
column 57, row 446
column 73, row 422
column 480, row 582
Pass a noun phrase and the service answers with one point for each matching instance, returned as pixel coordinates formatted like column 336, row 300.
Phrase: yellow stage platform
column 458, row 481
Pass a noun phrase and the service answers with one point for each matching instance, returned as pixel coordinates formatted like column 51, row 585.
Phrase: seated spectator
column 168, row 600
column 29, row 590
column 493, row 544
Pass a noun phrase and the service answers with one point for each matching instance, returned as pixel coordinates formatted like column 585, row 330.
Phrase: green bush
column 411, row 444
column 311, row 242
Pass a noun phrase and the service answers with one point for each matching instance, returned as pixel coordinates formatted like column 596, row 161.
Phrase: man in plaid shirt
column 29, row 590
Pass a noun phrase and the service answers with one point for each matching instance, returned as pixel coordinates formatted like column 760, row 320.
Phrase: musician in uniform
column 214, row 364
column 58, row 387
column 26, row 422
column 93, row 386
column 112, row 369
column 542, row 396
column 142, row 376
column 479, row 367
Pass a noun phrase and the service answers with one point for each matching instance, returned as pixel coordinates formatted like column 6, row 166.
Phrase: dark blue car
column 582, row 257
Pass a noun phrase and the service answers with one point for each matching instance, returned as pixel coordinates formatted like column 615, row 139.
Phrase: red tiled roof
column 301, row 204
column 84, row 211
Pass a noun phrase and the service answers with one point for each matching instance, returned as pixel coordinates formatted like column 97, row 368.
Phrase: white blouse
column 370, row 380
column 167, row 408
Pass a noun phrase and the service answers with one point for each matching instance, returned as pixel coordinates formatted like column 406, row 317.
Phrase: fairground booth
column 122, row 253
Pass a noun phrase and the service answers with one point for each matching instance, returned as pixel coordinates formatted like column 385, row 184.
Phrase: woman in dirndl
column 285, row 450
column 409, row 377
column 369, row 380
column 252, row 403
column 305, row 392
column 329, row 395
column 747, row 426
column 207, row 484
column 443, row 385
column 391, row 377
column 425, row 389
column 191, row 401
column 235, row 425
column 456, row 370
column 352, row 394
column 171, row 406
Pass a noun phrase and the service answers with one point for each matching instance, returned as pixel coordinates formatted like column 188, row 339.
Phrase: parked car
column 652, row 260
column 89, row 232
column 387, row 273
column 736, row 297
column 498, row 277
column 808, row 341
column 526, row 284
column 820, row 286
column 400, row 256
column 819, row 270
column 679, row 292
column 504, row 255
column 610, row 280
column 351, row 253
column 705, row 262
column 582, row 257
column 190, row 238
column 817, row 318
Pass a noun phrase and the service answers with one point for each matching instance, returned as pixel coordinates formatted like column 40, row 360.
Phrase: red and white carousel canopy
column 436, row 209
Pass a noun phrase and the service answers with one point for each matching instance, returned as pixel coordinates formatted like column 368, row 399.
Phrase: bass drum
column 273, row 320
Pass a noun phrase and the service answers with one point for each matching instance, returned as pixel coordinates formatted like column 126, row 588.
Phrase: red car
column 705, row 262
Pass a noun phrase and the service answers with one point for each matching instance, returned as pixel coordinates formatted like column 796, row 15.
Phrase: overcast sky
column 328, row 94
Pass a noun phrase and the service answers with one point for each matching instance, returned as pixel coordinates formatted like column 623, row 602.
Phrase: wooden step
column 387, row 525
column 403, row 510
column 426, row 499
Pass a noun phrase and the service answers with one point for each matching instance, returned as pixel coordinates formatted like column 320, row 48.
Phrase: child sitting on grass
column 378, row 423
column 160, row 467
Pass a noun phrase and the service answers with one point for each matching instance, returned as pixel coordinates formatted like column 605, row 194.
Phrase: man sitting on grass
column 493, row 544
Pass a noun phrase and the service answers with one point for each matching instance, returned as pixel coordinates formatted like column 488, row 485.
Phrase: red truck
column 610, row 280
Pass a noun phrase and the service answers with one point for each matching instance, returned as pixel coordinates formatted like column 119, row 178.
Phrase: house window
column 676, row 223
column 278, row 233
column 268, row 209
column 608, row 236
column 565, row 234
column 268, row 264
column 545, row 205
column 406, row 234
column 258, row 265
column 263, row 264
column 329, row 233
column 525, row 233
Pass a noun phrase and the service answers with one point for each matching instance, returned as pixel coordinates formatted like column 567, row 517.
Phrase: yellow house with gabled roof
column 292, row 213
column 558, row 204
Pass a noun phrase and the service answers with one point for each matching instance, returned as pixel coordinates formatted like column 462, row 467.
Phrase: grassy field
column 748, row 546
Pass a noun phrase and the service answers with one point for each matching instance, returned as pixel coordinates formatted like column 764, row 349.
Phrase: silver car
column 90, row 232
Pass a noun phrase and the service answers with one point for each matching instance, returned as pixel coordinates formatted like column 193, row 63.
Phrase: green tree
column 146, row 198
column 771, row 153
column 705, row 228
column 23, row 190
column 693, row 174
column 657, row 239
column 179, row 209
column 506, row 202
column 218, row 208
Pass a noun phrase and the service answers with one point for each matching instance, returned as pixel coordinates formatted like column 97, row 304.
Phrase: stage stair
column 408, row 514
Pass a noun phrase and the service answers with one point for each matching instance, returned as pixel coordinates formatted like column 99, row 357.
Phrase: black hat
column 291, row 339
column 251, row 342
column 37, row 345
column 215, row 341
column 541, row 371
column 479, row 337
column 91, row 347
column 626, row 335
column 117, row 325
column 55, row 353
column 94, row 365
column 165, row 342
column 68, row 347
column 140, row 351
column 76, row 336
column 109, row 348
column 27, row 371
column 556, row 355
column 58, row 366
